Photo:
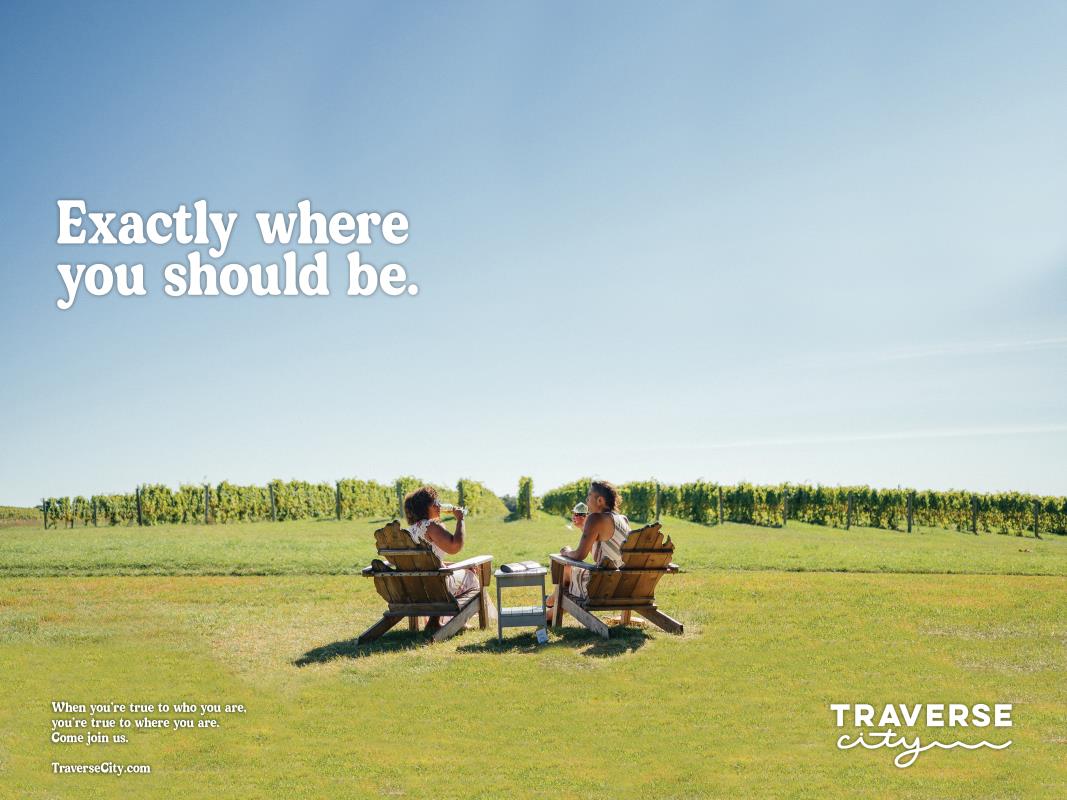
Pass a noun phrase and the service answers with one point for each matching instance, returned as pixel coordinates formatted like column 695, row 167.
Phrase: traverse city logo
column 880, row 727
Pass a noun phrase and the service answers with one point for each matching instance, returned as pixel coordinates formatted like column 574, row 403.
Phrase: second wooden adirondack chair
column 646, row 558
column 414, row 582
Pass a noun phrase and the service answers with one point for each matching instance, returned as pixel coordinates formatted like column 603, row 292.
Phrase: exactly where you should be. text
column 196, row 276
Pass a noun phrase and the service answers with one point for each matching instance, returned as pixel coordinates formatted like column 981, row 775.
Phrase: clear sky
column 807, row 242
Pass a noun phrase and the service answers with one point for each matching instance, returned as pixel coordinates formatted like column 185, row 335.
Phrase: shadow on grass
column 350, row 648
column 623, row 640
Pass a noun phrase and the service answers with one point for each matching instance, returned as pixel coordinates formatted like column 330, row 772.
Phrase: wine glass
column 449, row 507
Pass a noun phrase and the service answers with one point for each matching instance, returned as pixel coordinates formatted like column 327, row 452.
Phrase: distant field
column 18, row 515
column 330, row 547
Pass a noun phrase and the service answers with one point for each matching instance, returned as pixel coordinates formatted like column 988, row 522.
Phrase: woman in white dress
column 422, row 508
column 604, row 531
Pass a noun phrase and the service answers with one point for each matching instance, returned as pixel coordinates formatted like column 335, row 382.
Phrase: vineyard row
column 836, row 506
column 699, row 501
column 156, row 504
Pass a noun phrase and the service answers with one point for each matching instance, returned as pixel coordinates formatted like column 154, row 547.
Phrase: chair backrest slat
column 644, row 549
column 408, row 556
column 603, row 583
column 642, row 540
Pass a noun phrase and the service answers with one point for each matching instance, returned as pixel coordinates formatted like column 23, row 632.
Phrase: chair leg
column 377, row 629
column 455, row 625
column 591, row 621
column 413, row 624
column 661, row 620
column 624, row 618
column 557, row 606
column 483, row 610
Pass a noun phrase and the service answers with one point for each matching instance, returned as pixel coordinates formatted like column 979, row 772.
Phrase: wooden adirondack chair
column 413, row 581
column 646, row 558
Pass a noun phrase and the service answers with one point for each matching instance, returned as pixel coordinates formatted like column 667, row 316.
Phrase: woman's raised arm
column 451, row 543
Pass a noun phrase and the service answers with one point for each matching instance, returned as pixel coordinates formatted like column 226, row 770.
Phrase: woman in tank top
column 603, row 532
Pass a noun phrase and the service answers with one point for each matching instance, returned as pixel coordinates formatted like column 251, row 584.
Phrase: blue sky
column 806, row 242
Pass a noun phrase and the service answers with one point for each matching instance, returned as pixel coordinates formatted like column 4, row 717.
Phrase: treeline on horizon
column 703, row 502
column 771, row 505
column 225, row 502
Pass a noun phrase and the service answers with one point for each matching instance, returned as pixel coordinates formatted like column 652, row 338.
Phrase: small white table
column 521, row 616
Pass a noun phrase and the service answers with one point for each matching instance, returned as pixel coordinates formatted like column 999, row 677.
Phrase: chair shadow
column 350, row 648
column 624, row 639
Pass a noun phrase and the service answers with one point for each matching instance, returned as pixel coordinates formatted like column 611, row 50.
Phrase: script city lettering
column 933, row 715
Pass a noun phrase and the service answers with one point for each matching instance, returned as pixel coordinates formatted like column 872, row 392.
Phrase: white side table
column 521, row 616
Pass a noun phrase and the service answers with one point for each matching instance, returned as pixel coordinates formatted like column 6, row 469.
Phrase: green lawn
column 338, row 548
column 737, row 707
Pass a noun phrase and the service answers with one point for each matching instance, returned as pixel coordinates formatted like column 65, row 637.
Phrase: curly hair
column 417, row 504
column 608, row 492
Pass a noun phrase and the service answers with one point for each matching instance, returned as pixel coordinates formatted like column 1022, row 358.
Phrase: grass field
column 779, row 623
column 343, row 548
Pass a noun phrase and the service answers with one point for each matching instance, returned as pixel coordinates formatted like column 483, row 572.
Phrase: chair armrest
column 560, row 561
column 570, row 562
column 384, row 568
column 468, row 563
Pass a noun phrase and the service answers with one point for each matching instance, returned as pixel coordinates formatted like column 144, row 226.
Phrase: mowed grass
column 779, row 624
column 737, row 707
column 329, row 547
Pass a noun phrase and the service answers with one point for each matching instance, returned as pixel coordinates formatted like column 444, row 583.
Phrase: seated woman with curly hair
column 422, row 508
